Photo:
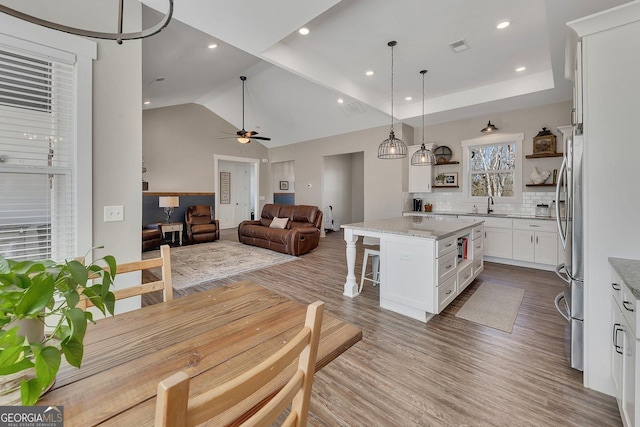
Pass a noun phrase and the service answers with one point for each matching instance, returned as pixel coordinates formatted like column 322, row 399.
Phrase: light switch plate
column 113, row 213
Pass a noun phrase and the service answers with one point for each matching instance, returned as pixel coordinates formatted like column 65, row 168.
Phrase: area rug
column 195, row 264
column 493, row 305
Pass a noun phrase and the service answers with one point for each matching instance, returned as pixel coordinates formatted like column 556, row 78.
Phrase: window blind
column 37, row 156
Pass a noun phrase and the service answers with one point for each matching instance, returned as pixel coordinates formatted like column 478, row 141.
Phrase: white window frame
column 20, row 34
column 496, row 139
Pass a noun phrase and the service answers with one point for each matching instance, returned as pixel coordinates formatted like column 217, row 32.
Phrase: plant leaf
column 36, row 297
column 47, row 365
column 77, row 321
column 30, row 391
column 78, row 272
column 73, row 351
column 4, row 265
column 16, row 367
column 110, row 302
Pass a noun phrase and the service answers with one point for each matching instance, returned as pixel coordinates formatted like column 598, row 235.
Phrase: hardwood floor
column 448, row 372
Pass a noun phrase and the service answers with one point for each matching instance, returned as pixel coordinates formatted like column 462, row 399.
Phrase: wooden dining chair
column 175, row 409
column 164, row 284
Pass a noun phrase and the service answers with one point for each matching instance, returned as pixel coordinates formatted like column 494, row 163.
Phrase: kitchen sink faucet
column 489, row 203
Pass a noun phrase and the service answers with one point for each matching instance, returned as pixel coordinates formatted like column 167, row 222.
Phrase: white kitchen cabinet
column 625, row 341
column 535, row 241
column 498, row 242
column 419, row 176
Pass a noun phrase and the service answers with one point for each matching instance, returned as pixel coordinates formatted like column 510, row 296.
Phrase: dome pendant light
column 392, row 148
column 423, row 157
column 490, row 128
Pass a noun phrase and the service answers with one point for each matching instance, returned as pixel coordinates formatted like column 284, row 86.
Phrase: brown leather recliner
column 201, row 227
column 300, row 235
column 151, row 237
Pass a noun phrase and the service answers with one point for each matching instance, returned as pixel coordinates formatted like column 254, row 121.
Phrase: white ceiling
column 294, row 81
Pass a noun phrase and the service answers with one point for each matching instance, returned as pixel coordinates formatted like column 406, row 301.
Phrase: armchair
column 201, row 227
column 151, row 237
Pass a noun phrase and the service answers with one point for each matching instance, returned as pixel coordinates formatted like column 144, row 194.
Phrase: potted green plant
column 440, row 179
column 37, row 291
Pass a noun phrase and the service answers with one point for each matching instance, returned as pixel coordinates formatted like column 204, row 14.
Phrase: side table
column 172, row 228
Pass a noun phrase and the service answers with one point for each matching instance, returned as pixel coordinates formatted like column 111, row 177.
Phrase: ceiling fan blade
column 264, row 138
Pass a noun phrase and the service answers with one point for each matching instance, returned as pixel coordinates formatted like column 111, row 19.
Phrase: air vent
column 459, row 46
column 353, row 108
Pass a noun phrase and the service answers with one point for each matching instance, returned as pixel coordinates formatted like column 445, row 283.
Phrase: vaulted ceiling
column 294, row 81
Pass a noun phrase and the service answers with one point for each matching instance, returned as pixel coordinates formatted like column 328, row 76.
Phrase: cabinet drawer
column 498, row 222
column 616, row 289
column 465, row 276
column 477, row 232
column 476, row 247
column 535, row 225
column 447, row 266
column 446, row 293
column 629, row 308
column 446, row 245
column 478, row 263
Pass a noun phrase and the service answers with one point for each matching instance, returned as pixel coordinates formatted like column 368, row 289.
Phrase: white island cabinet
column 425, row 262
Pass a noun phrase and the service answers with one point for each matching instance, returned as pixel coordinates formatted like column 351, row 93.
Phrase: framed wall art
column 544, row 142
column 225, row 188
column 284, row 185
column 447, row 179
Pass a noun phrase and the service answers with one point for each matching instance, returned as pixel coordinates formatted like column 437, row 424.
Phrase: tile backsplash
column 454, row 202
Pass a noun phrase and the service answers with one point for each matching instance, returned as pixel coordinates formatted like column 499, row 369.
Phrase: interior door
column 241, row 193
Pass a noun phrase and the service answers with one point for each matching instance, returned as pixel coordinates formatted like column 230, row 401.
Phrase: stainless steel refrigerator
column 570, row 302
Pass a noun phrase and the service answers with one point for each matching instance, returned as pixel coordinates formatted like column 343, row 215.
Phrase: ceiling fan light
column 244, row 140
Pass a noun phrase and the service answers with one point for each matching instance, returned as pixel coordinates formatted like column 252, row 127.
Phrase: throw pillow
column 279, row 222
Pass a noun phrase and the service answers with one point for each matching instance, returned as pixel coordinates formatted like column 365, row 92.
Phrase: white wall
column 283, row 171
column 357, row 187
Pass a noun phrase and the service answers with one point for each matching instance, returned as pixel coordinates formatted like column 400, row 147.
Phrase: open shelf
column 542, row 156
column 540, row 185
column 447, row 163
column 446, row 186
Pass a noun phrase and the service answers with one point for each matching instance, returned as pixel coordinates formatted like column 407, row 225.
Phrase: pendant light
column 392, row 148
column 490, row 128
column 423, row 157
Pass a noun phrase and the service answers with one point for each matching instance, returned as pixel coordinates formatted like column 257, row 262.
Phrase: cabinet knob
column 615, row 286
column 625, row 303
column 448, row 292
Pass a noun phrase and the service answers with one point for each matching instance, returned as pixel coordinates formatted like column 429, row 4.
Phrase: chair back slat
column 164, row 284
column 296, row 391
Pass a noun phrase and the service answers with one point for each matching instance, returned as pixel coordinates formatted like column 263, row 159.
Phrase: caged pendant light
column 423, row 157
column 392, row 148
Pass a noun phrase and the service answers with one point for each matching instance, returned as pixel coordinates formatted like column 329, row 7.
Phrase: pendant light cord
column 423, row 72
column 243, row 101
column 392, row 44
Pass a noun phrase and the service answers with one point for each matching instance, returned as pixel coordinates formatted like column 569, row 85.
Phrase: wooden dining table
column 212, row 335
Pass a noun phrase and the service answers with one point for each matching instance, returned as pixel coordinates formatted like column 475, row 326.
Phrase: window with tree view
column 492, row 170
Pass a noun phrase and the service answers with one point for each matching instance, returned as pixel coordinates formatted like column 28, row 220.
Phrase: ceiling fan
column 244, row 136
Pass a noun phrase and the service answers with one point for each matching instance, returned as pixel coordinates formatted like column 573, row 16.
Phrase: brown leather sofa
column 300, row 235
column 201, row 227
column 151, row 237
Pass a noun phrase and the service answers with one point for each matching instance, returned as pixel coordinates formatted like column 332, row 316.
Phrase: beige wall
column 179, row 143
column 385, row 180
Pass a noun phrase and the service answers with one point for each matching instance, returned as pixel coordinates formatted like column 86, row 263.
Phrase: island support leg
column 350, row 286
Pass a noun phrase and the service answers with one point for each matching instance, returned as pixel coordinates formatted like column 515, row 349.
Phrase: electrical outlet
column 113, row 213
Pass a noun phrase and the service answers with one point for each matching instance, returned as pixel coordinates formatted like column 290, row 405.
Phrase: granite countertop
column 492, row 215
column 431, row 227
column 629, row 272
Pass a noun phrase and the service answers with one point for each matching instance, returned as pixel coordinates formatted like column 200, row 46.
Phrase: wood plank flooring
column 448, row 372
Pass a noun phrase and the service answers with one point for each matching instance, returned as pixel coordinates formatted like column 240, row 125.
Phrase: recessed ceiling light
column 520, row 69
column 369, row 73
column 212, row 46
column 147, row 102
column 408, row 98
column 340, row 100
column 503, row 24
column 304, row 31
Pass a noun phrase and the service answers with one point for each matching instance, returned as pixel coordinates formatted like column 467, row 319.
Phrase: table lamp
column 168, row 203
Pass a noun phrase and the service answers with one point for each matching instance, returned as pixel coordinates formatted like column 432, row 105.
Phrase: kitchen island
column 425, row 262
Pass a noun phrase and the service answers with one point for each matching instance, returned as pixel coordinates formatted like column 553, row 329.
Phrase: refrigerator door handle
column 562, row 231
column 562, row 273
column 564, row 313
